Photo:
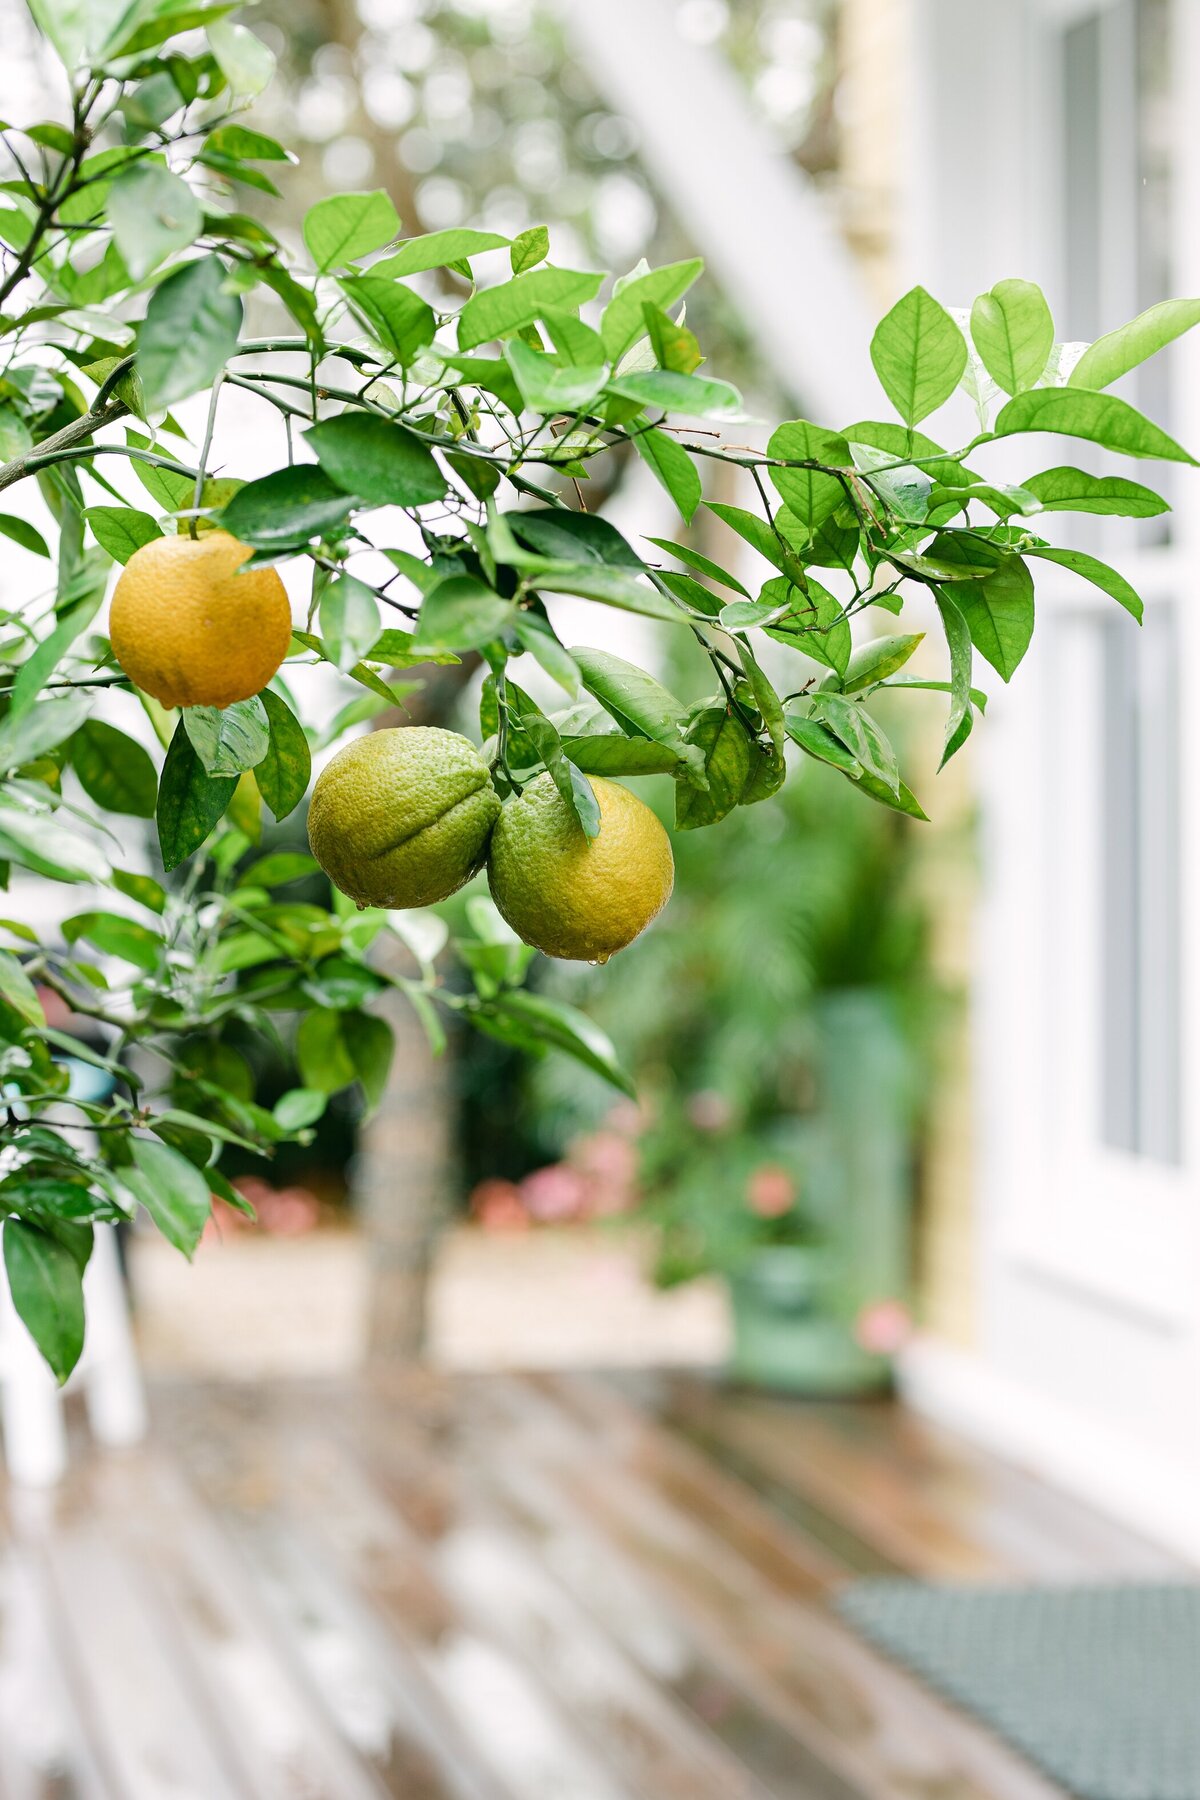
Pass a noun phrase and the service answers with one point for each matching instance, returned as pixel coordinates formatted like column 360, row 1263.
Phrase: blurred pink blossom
column 883, row 1327
column 709, row 1111
column 553, row 1193
column 770, row 1191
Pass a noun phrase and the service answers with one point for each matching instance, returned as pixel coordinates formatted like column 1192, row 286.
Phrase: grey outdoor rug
column 1099, row 1686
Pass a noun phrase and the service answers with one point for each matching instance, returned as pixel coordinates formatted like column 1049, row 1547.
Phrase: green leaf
column 611, row 587
column 1013, row 331
column 154, row 214
column 19, row 991
column 378, row 462
column 624, row 318
column 300, row 1107
column 244, row 59
column 142, row 888
column 347, row 226
column 703, row 565
column 877, row 658
column 574, row 341
column 700, row 396
column 901, row 798
column 23, row 533
column 765, row 697
column 573, row 537
column 808, row 493
column 371, row 1044
column 816, row 624
column 48, row 849
column 1097, row 572
column 1101, row 418
column 818, row 741
column 638, row 703
column 189, row 802
column 321, row 1052
column 349, row 620
column 279, row 867
column 287, row 509
column 189, row 332
column 536, row 635
column 563, row 1027
column 763, row 537
column 547, row 388
column 46, row 1284
column 727, row 751
column 38, row 667
column 574, row 788
column 674, row 469
column 958, row 640
column 116, row 935
column 254, row 146
column 1072, row 490
column 24, row 739
column 674, row 346
column 499, row 312
column 998, row 607
column 228, row 739
column 282, row 775
column 1114, row 354
column 436, row 250
column 460, row 613
column 399, row 319
column 739, row 615
column 919, row 355
column 610, row 753
column 850, row 721
column 172, row 1190
column 120, row 529
column 529, row 248
column 114, row 770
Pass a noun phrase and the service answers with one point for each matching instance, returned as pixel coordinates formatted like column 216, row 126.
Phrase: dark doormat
column 1099, row 1686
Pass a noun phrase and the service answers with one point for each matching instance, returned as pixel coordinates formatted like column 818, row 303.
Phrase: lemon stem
column 202, row 471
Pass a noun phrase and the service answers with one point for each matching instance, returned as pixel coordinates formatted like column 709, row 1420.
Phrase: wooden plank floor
column 505, row 1588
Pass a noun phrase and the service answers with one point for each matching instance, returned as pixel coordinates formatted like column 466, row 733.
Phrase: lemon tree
column 441, row 402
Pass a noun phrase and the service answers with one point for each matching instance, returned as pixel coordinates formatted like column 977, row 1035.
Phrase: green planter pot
column 787, row 1334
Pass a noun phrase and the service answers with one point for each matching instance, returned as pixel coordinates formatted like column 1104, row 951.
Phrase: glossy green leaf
column 286, row 509
column 378, row 462
column 529, row 248
column 24, row 739
column 1114, row 354
column 1101, row 418
column 46, row 1284
column 850, row 721
column 703, row 565
column 47, row 848
column 115, row 935
column 189, row 802
column 674, row 469
column 958, row 641
column 624, row 320
column 919, row 355
column 436, row 250
column 370, row 1044
column 189, row 332
column 610, row 753
column 228, row 739
column 611, row 587
column 638, row 703
column 399, row 319
column 460, row 613
column 877, row 658
column 172, row 1190
column 808, row 493
column 346, row 226
column 498, row 312
column 997, row 606
column 245, row 60
column 1110, row 581
column 1073, row 490
column 349, row 615
column 114, row 770
column 816, row 624
column 727, row 751
column 121, row 529
column 547, row 388
column 818, row 741
column 154, row 214
column 699, row 396
column 562, row 1027
column 1013, row 331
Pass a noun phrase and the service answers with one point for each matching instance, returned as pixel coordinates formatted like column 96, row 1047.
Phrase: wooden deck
column 502, row 1588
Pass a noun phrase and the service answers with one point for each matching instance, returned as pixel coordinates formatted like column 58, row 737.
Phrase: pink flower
column 770, row 1191
column 709, row 1111
column 556, row 1192
column 883, row 1327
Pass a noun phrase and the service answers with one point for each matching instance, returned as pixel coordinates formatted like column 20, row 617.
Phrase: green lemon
column 574, row 896
column 402, row 818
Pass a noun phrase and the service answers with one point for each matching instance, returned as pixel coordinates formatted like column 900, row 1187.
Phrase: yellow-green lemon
column 574, row 896
column 402, row 818
column 189, row 629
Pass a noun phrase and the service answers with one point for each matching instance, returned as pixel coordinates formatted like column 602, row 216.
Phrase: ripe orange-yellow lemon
column 187, row 628
column 570, row 895
column 402, row 817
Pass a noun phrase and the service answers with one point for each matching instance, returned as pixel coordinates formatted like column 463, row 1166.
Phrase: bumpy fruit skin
column 402, row 818
column 187, row 628
column 571, row 896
